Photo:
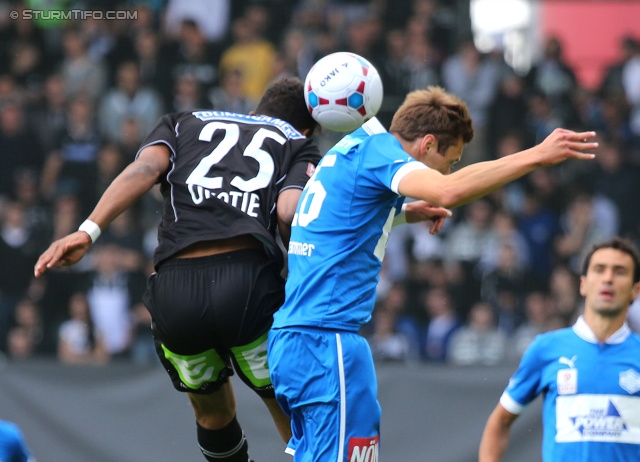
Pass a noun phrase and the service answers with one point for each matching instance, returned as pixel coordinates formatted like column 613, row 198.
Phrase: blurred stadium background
column 79, row 91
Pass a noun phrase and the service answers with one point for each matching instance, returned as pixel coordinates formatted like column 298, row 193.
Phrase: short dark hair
column 284, row 99
column 621, row 244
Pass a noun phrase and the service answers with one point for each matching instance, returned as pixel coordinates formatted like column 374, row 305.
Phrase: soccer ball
column 342, row 91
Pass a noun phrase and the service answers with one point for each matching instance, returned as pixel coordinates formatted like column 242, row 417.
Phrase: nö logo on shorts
column 363, row 449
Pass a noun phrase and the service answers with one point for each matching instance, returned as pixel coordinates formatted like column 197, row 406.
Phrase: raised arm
column 134, row 181
column 495, row 437
column 479, row 179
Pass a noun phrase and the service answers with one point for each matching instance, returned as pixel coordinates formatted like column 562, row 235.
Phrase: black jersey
column 225, row 176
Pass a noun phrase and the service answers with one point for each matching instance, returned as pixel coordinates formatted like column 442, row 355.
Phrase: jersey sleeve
column 303, row 165
column 386, row 162
column 163, row 133
column 525, row 384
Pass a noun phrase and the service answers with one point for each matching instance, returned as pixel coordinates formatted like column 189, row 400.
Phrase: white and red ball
column 343, row 90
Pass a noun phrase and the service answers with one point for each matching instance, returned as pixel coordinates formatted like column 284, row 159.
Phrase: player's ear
column 306, row 131
column 583, row 289
column 252, row 112
column 429, row 141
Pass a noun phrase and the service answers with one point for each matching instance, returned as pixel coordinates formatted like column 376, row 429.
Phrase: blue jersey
column 591, row 410
column 340, row 231
column 12, row 444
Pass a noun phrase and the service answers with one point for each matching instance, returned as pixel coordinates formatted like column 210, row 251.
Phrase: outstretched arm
column 495, row 437
column 482, row 178
column 134, row 181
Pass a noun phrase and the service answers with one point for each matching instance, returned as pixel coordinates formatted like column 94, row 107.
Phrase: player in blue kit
column 321, row 368
column 589, row 374
column 13, row 446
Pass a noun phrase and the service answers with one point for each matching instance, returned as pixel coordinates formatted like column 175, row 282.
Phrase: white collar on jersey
column 582, row 329
column 373, row 126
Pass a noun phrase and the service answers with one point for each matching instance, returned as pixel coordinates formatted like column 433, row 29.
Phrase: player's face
column 444, row 162
column 608, row 286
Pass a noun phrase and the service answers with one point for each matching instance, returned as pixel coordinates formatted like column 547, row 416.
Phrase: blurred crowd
column 78, row 96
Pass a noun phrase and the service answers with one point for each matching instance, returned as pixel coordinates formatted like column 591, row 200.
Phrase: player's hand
column 423, row 211
column 563, row 144
column 63, row 252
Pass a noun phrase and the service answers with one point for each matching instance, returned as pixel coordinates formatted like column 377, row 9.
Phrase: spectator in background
column 229, row 95
column 16, row 257
column 616, row 124
column 613, row 176
column 292, row 51
column 126, row 233
column 587, row 219
column 66, row 212
column 506, row 234
column 631, row 83
column 504, row 286
column 128, row 100
column 27, row 332
column 550, row 189
column 78, row 340
column 27, row 65
column 403, row 330
column 131, row 135
column 539, row 226
column 112, row 291
column 612, row 84
column 510, row 198
column 192, row 54
column 252, row 55
column 147, row 48
column 542, row 118
column 536, row 310
column 507, row 112
column 553, row 79
column 479, row 342
column 188, row 95
column 387, row 344
column 363, row 36
column 465, row 242
column 436, row 17
column 563, row 295
column 82, row 74
column 37, row 213
column 109, row 164
column 391, row 69
column 71, row 165
column 443, row 323
column 421, row 62
column 48, row 115
column 19, row 146
column 211, row 17
column 476, row 80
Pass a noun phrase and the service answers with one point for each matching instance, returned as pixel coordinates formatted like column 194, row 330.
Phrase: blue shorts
column 326, row 382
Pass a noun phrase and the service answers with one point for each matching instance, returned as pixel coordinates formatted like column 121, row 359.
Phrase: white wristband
column 92, row 229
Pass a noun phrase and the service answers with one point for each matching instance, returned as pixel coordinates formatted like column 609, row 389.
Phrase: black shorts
column 210, row 312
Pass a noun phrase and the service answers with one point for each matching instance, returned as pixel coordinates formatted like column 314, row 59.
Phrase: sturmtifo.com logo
column 64, row 15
